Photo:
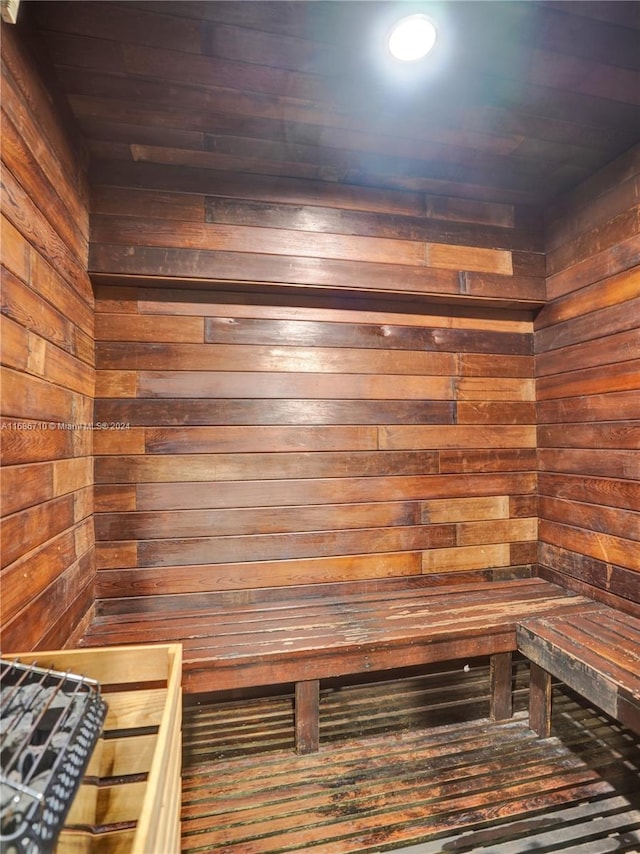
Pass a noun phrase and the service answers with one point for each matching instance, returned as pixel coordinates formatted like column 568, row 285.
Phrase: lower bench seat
column 596, row 653
column 302, row 640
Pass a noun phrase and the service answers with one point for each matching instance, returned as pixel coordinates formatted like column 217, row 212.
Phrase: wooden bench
column 302, row 639
column 596, row 653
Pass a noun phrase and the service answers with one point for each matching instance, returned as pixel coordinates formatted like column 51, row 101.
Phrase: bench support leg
column 501, row 690
column 540, row 701
column 307, row 715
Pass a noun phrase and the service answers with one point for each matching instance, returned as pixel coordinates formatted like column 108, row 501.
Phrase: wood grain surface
column 586, row 340
column 259, row 449
column 48, row 561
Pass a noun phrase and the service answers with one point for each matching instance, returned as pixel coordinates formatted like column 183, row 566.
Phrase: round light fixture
column 412, row 38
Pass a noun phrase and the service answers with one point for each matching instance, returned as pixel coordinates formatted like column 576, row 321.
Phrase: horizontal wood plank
column 229, row 412
column 263, row 493
column 253, row 521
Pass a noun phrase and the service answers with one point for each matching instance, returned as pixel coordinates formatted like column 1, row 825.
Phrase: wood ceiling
column 518, row 102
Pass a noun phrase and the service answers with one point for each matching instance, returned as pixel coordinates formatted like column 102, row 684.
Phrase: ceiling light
column 411, row 38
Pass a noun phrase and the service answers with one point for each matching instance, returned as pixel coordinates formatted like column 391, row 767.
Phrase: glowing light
column 412, row 38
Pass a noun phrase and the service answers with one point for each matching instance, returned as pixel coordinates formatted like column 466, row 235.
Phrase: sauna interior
column 291, row 328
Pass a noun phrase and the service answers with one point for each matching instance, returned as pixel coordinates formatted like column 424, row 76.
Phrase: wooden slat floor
column 409, row 765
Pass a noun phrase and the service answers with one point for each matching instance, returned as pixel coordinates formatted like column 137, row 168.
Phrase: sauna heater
column 49, row 724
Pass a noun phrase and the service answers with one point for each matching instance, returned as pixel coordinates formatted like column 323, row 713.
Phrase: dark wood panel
column 523, row 554
column 274, row 575
column 190, row 264
column 24, row 154
column 266, row 596
column 604, row 434
column 137, row 26
column 288, row 546
column 47, row 351
column 28, row 72
column 624, row 13
column 602, row 547
column 280, row 354
column 174, row 524
column 530, row 264
column 596, row 267
column 523, row 286
column 28, row 309
column 22, row 211
column 224, row 238
column 32, row 442
column 523, row 505
column 51, row 618
column 109, row 498
column 282, row 190
column 303, row 97
column 222, row 384
column 224, row 440
column 623, row 376
column 610, row 492
column 618, row 171
column 603, row 352
column 591, row 462
column 575, row 35
column 456, row 436
column 269, row 466
column 150, row 204
column 495, row 412
column 597, row 593
column 264, row 412
column 43, row 566
column 475, row 365
column 25, row 486
column 333, row 140
column 27, row 397
column 618, row 318
column 487, row 461
column 599, row 239
column 324, row 219
column 126, row 327
column 226, row 300
column 624, row 405
column 283, row 357
column 25, row 351
column 588, row 472
column 581, row 109
column 598, row 573
column 562, row 229
column 16, row 254
column 152, row 176
column 268, row 493
column 603, row 294
column 444, row 171
column 588, row 434
column 73, row 299
column 306, row 333
column 592, row 517
column 30, row 528
column 75, row 619
column 444, row 220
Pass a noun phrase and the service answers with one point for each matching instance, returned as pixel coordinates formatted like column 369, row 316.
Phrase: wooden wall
column 588, row 369
column 302, row 381
column 273, row 438
column 48, row 561
column 157, row 221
